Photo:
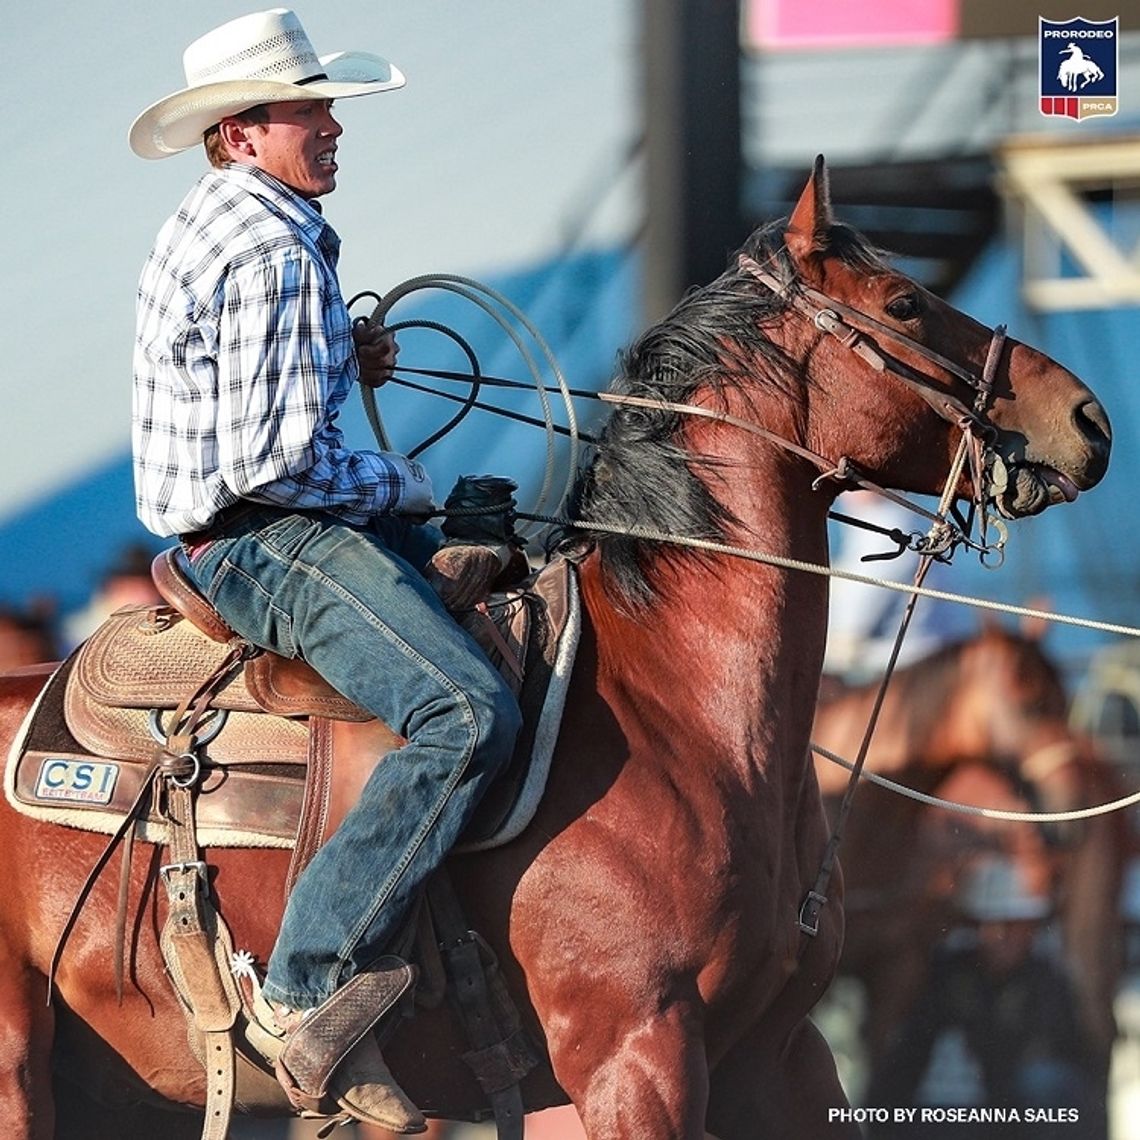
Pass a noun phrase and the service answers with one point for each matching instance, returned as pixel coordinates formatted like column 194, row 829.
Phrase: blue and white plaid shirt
column 243, row 358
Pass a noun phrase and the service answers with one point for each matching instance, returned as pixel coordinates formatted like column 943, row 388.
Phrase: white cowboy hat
column 996, row 891
column 265, row 57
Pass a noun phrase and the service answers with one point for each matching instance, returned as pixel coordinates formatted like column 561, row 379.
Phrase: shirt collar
column 302, row 212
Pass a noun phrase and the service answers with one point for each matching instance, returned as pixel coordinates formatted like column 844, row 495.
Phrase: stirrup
column 331, row 1059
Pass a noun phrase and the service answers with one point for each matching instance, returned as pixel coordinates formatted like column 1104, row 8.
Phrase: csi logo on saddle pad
column 76, row 780
column 1078, row 63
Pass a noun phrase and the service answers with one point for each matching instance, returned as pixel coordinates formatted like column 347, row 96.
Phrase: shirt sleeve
column 280, row 357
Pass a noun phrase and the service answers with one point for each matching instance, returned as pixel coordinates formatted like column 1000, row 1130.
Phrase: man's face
column 298, row 145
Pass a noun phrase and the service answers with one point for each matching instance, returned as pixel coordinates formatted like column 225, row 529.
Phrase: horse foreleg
column 653, row 1082
column 26, row 1028
column 790, row 1094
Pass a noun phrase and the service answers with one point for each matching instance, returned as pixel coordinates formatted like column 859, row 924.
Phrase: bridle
column 988, row 476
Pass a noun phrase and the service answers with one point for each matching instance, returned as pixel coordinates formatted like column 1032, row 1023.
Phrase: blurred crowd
column 996, row 1024
column 38, row 632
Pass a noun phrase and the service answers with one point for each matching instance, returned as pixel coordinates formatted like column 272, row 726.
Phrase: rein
column 976, row 448
column 987, row 473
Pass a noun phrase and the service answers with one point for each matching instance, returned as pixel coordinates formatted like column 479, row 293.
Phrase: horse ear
column 807, row 231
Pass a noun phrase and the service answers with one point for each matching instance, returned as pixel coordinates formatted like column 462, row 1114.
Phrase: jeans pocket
column 244, row 596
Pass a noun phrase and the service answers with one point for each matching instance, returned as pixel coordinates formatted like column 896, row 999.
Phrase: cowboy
column 244, row 355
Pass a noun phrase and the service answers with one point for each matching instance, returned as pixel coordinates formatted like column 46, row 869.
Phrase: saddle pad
column 51, row 776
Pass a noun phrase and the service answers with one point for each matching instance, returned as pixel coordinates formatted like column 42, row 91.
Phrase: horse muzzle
column 1044, row 478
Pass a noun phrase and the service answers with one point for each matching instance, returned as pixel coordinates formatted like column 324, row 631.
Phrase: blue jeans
column 353, row 603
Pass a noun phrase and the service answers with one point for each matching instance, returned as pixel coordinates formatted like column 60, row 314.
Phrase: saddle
column 284, row 755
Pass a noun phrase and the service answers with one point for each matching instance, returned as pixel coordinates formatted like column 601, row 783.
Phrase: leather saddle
column 280, row 685
column 283, row 754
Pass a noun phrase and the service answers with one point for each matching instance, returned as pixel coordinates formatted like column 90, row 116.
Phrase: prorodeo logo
column 1078, row 62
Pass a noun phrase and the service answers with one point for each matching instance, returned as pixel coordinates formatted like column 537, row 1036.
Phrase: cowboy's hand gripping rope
column 481, row 546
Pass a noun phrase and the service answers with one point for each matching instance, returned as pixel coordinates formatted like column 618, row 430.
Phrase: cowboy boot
column 364, row 1087
column 332, row 1051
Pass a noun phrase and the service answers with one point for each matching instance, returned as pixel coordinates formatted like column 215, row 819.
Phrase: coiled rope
column 495, row 305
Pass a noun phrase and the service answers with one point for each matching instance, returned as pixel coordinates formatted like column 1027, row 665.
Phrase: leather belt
column 224, row 519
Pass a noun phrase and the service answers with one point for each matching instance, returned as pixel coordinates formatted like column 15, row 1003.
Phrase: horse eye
column 906, row 307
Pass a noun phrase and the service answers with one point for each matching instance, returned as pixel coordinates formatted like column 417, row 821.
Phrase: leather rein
column 987, row 470
column 987, row 473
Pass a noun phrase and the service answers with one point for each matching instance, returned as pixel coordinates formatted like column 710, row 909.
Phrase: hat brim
column 176, row 123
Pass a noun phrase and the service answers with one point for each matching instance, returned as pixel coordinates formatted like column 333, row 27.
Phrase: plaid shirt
column 243, row 358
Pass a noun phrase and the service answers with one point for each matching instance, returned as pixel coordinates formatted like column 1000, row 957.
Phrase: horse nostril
column 1092, row 419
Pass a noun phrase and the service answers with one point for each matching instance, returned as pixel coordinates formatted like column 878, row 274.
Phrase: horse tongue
column 1062, row 484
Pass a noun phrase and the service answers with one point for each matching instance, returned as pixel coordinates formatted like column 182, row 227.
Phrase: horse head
column 1045, row 433
column 812, row 350
column 1010, row 691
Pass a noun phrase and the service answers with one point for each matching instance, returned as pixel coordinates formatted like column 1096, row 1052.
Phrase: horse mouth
column 1032, row 487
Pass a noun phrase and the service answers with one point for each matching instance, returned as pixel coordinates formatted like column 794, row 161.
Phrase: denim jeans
column 353, row 603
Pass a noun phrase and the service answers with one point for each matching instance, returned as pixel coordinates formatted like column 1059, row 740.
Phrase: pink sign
column 847, row 23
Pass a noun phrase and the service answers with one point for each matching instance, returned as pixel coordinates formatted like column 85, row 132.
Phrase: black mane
column 639, row 474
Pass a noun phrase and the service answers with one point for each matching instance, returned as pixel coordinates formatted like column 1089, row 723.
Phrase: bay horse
column 994, row 694
column 647, row 919
column 982, row 720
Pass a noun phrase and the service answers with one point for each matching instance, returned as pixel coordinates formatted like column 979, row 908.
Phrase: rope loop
column 531, row 347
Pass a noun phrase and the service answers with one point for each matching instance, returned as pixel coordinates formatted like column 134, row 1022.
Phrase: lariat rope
column 749, row 555
column 986, row 813
column 972, row 425
column 498, row 308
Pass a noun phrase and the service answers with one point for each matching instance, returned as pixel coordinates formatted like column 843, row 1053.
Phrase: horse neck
column 729, row 653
